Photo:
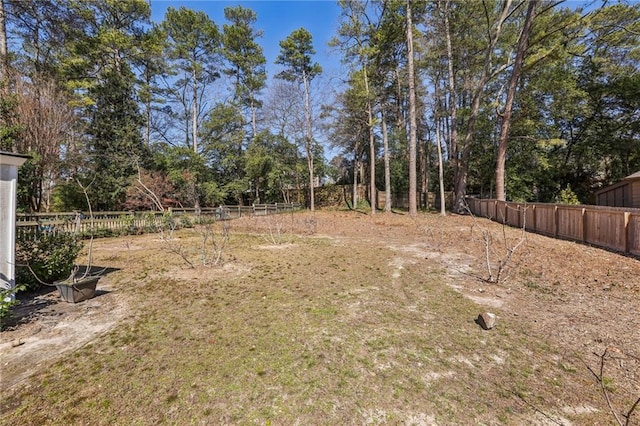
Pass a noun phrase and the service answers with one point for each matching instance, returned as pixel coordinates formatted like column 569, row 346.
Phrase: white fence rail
column 121, row 222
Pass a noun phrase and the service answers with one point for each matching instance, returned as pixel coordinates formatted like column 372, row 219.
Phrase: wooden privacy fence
column 109, row 223
column 613, row 228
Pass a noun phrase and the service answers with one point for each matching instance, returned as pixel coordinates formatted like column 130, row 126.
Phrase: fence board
column 612, row 228
column 634, row 234
column 606, row 229
column 570, row 223
column 545, row 219
column 530, row 217
column 514, row 215
column 489, row 209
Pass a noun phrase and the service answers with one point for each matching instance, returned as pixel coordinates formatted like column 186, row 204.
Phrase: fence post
column 556, row 218
column 520, row 213
column 627, row 231
column 585, row 229
column 505, row 213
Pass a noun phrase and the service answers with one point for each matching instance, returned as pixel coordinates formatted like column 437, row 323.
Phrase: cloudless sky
column 277, row 19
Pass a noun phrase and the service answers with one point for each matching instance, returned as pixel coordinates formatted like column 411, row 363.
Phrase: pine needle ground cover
column 337, row 318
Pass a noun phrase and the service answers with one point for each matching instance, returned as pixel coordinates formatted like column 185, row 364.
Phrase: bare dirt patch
column 44, row 328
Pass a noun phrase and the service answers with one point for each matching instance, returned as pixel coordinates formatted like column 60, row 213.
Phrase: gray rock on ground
column 486, row 320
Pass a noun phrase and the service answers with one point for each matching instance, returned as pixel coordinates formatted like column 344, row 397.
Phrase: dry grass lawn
column 334, row 318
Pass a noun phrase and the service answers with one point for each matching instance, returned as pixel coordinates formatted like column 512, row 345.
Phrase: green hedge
column 51, row 256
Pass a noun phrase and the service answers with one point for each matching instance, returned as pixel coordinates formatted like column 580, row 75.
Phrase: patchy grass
column 361, row 321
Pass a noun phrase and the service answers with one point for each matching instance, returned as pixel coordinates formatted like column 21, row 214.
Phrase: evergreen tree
column 115, row 144
column 193, row 45
column 246, row 60
column 296, row 53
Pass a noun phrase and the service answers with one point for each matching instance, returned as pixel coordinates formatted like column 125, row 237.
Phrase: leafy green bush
column 50, row 255
column 128, row 225
column 185, row 221
column 6, row 304
column 150, row 223
column 567, row 196
column 169, row 222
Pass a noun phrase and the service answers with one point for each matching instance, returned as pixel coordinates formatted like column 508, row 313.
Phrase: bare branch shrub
column 167, row 232
column 277, row 231
column 431, row 227
column 147, row 190
column 214, row 235
column 623, row 362
column 498, row 249
column 74, row 272
column 310, row 225
column 214, row 238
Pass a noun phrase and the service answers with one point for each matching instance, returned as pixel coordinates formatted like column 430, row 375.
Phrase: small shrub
column 100, row 233
column 567, row 196
column 6, row 304
column 169, row 222
column 49, row 255
column 128, row 224
column 186, row 221
column 150, row 223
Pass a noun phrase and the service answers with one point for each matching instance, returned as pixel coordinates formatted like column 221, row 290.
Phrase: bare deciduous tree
column 46, row 124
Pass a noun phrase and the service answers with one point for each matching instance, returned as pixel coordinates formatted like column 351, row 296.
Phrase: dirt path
column 47, row 328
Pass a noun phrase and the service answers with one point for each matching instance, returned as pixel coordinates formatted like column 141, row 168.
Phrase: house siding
column 625, row 193
column 635, row 194
column 615, row 196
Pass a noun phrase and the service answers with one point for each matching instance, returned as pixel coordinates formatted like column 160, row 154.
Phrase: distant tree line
column 519, row 100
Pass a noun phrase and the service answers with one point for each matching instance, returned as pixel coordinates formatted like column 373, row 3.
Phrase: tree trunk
column 372, row 161
column 309, row 141
column 372, row 172
column 194, row 129
column 460, row 178
column 453, row 107
column 523, row 41
column 257, row 201
column 443, row 210
column 463, row 168
column 423, row 166
column 194, row 114
column 413, row 208
column 254, row 125
column 400, row 121
column 387, row 164
column 372, row 147
column 355, row 178
column 4, row 58
column 147, row 132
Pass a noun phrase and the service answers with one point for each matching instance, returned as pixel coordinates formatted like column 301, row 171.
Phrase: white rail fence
column 128, row 222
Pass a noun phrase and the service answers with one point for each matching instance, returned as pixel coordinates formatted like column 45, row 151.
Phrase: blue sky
column 277, row 19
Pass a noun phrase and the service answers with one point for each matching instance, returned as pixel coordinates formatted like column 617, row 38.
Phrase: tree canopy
column 522, row 100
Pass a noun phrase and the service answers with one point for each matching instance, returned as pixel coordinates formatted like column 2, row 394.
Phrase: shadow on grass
column 46, row 301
